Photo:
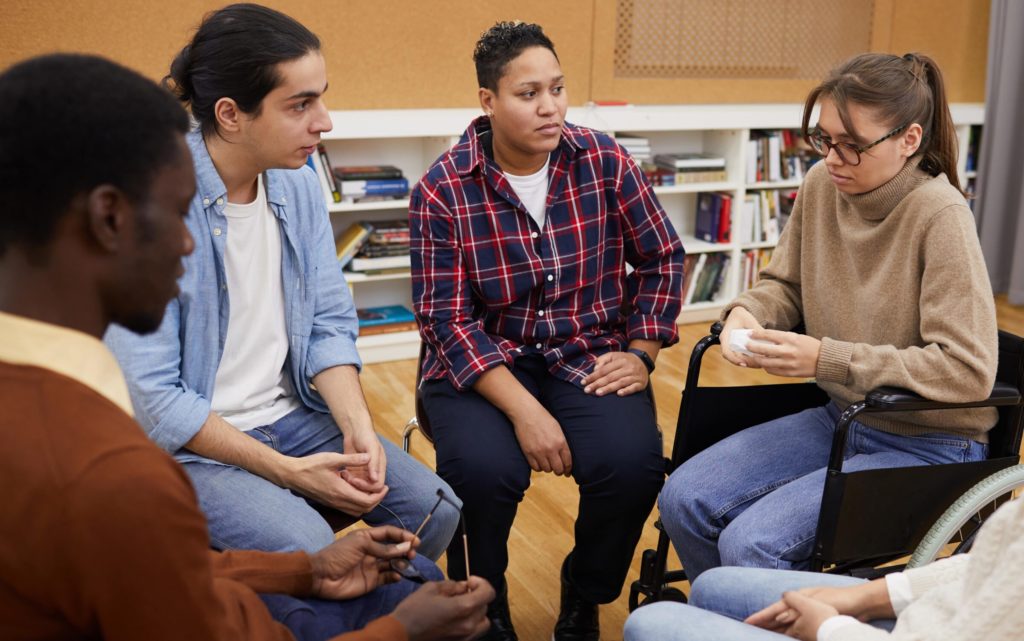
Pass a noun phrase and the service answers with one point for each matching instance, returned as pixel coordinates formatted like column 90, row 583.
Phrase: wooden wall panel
column 380, row 54
column 415, row 54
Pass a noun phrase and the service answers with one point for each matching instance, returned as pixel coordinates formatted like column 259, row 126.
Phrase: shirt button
column 540, row 312
column 550, row 278
column 220, row 201
column 216, row 231
column 206, row 201
column 540, row 345
column 284, row 201
column 534, row 235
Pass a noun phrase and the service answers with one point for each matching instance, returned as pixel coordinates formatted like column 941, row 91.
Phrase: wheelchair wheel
column 959, row 525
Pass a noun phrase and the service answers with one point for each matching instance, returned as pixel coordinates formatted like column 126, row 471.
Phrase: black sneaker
column 501, row 619
column 577, row 617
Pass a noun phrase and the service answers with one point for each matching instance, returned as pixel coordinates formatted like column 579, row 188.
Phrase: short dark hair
column 501, row 44
column 69, row 123
column 234, row 54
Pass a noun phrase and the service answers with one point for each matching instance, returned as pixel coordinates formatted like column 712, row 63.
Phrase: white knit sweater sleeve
column 975, row 597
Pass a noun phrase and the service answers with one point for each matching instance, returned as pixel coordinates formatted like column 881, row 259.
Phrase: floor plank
column 542, row 534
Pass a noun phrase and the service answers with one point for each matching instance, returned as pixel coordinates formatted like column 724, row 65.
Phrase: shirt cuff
column 831, row 624
column 900, row 593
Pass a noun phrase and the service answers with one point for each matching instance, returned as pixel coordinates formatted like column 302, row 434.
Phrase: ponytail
column 939, row 146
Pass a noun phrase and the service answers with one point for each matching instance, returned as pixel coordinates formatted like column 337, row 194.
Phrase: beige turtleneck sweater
column 894, row 285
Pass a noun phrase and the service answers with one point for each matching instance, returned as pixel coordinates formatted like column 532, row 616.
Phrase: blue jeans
column 318, row 620
column 719, row 602
column 753, row 498
column 246, row 511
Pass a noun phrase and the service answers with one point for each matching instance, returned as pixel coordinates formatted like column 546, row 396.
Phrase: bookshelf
column 412, row 139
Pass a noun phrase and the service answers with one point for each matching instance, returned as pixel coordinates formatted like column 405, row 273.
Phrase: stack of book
column 704, row 275
column 658, row 176
column 639, row 148
column 773, row 156
column 693, row 167
column 384, row 320
column 375, row 247
column 754, row 261
column 713, row 219
column 371, row 182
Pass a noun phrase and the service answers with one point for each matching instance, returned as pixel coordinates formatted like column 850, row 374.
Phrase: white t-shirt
column 533, row 191
column 251, row 388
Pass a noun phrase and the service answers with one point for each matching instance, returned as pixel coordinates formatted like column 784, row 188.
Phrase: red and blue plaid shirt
column 489, row 285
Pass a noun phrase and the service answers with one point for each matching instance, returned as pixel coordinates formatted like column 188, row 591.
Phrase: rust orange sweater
column 102, row 537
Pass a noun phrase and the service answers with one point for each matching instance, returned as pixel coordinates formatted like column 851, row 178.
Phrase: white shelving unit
column 412, row 139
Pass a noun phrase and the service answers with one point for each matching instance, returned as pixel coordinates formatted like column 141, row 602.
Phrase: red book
column 724, row 218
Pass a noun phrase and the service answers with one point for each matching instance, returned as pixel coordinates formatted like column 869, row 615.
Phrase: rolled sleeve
column 168, row 410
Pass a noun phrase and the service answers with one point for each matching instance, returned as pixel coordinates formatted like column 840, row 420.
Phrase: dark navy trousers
column 617, row 462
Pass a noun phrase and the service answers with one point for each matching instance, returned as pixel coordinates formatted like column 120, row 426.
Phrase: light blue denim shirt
column 171, row 373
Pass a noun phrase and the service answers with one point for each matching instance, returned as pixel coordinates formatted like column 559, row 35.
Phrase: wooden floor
column 542, row 534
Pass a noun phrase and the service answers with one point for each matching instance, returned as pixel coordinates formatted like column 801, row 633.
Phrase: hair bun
column 179, row 80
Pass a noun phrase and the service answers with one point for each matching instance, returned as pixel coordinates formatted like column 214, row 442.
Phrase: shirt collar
column 210, row 187
column 68, row 352
column 469, row 152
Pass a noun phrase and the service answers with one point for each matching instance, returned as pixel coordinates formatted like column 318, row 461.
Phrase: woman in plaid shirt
column 540, row 342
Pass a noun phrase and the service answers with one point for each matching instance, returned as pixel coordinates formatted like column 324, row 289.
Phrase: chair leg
column 410, row 427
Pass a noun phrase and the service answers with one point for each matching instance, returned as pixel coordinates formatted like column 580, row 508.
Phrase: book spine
column 333, row 190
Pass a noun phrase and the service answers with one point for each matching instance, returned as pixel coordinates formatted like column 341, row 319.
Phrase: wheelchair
column 867, row 518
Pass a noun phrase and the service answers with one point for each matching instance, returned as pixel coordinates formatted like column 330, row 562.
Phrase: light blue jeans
column 753, row 499
column 246, row 511
column 719, row 602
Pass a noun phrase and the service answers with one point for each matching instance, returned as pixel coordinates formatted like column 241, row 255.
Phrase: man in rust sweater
column 102, row 536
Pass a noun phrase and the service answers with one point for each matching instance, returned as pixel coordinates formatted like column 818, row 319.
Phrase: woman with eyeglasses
column 880, row 260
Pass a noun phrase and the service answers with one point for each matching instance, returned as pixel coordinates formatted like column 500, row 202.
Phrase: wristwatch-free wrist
column 645, row 357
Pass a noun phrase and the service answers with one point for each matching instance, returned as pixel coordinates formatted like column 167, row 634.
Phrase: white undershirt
column 251, row 388
column 533, row 191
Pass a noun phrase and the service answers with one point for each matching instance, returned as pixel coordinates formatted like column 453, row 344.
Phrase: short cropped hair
column 69, row 123
column 234, row 54
column 501, row 44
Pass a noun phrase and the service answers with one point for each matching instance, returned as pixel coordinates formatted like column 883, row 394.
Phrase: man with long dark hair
column 252, row 380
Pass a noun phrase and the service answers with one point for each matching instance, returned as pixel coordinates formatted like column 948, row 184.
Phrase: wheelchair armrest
column 894, row 399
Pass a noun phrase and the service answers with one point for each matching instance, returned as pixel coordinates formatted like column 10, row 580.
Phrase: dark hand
column 446, row 610
column 620, row 372
column 358, row 562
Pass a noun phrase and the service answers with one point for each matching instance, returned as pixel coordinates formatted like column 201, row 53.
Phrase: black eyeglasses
column 404, row 567
column 849, row 153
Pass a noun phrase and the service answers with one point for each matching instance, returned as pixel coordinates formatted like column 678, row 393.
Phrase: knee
column 679, row 502
column 743, row 544
column 654, row 621
column 309, row 535
column 714, row 586
column 477, row 480
column 636, row 470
